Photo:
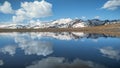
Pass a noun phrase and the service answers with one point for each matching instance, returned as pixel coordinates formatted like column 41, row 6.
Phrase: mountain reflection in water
column 59, row 50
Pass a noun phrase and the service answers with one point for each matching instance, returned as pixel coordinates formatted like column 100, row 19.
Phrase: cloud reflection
column 31, row 43
column 1, row 62
column 10, row 49
column 59, row 62
column 31, row 46
column 111, row 53
column 36, row 47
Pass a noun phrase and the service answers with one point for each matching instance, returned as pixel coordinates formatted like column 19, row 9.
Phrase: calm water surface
column 59, row 50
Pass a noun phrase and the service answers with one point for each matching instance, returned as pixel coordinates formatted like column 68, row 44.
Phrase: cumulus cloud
column 6, row 8
column 1, row 62
column 111, row 4
column 59, row 62
column 10, row 49
column 30, row 10
column 110, row 53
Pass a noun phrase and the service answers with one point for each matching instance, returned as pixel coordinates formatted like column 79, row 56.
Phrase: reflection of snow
column 1, row 62
column 10, row 49
column 55, row 62
column 56, row 35
column 111, row 53
column 63, row 36
column 59, row 35
column 81, row 34
column 8, row 34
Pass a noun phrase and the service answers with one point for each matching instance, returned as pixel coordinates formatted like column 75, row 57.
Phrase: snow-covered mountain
column 97, row 22
column 13, row 26
column 61, row 23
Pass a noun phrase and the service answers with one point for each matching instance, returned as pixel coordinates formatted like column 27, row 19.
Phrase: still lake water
column 59, row 50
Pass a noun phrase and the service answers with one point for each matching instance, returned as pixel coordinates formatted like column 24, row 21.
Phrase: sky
column 46, row 10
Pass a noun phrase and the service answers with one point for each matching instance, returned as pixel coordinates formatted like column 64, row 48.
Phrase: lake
column 59, row 50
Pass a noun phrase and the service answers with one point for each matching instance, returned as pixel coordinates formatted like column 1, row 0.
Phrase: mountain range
column 60, row 23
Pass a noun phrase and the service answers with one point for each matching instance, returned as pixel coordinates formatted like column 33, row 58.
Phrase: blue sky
column 79, row 8
column 86, row 9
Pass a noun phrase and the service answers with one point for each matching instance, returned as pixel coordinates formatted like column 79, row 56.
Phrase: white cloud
column 30, row 10
column 110, row 53
column 97, row 17
column 111, row 4
column 6, row 8
column 59, row 62
column 1, row 62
